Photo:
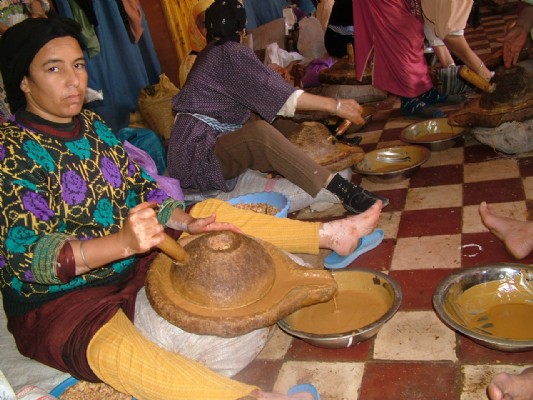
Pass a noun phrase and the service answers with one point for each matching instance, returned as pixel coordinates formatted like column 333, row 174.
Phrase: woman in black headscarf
column 213, row 138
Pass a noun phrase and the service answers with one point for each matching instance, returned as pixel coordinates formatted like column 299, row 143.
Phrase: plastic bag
column 275, row 55
column 146, row 149
column 312, row 72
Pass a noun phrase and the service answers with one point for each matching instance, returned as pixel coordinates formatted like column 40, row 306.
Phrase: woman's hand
column 349, row 109
column 141, row 231
column 202, row 225
column 513, row 43
column 344, row 108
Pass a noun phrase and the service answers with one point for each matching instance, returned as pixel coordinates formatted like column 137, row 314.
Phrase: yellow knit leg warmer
column 289, row 234
column 120, row 356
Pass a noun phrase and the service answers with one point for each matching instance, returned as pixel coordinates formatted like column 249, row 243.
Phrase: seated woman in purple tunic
column 214, row 140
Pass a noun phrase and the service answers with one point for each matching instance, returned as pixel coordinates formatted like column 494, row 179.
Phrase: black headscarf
column 19, row 45
column 225, row 19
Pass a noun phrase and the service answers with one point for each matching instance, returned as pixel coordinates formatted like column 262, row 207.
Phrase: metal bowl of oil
column 392, row 164
column 491, row 304
column 435, row 134
column 364, row 302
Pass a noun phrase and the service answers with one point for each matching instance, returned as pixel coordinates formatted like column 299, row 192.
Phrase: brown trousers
column 263, row 147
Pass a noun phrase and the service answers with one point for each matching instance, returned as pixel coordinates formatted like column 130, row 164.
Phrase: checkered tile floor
column 432, row 228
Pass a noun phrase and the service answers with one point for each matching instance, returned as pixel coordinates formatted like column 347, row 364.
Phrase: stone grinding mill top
column 232, row 284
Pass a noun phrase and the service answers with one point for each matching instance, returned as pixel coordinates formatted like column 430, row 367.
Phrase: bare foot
column 342, row 235
column 516, row 235
column 506, row 386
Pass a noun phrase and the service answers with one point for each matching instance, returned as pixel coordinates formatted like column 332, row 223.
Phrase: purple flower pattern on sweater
column 74, row 188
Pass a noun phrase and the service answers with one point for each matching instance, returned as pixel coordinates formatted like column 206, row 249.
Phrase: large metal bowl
column 435, row 134
column 392, row 164
column 354, row 285
column 492, row 304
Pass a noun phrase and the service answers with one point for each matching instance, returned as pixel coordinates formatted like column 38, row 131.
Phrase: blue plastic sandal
column 367, row 243
column 304, row 387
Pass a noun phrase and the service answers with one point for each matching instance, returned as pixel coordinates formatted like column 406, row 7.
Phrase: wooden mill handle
column 174, row 250
column 476, row 79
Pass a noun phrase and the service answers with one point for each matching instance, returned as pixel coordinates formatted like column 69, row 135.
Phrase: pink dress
column 397, row 37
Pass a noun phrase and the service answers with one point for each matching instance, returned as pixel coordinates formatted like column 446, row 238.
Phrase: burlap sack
column 155, row 105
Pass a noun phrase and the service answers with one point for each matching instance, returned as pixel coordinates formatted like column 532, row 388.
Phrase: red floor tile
column 437, row 221
column 471, row 352
column 377, row 259
column 526, row 166
column 373, row 125
column 390, row 135
column 396, row 199
column 478, row 153
column 441, row 175
column 418, row 287
column 302, row 351
column 496, row 191
column 409, row 381
column 262, row 373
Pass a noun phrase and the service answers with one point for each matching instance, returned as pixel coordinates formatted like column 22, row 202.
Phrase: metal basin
column 392, row 164
column 492, row 304
column 361, row 295
column 435, row 134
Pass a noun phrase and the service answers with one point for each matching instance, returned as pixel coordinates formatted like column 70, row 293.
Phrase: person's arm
column 516, row 36
column 444, row 56
column 459, row 46
column 141, row 232
column 344, row 108
column 182, row 221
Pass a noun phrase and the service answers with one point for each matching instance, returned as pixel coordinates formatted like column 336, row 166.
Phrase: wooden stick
column 174, row 250
column 475, row 79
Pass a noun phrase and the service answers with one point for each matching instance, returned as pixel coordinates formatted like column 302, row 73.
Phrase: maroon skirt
column 58, row 333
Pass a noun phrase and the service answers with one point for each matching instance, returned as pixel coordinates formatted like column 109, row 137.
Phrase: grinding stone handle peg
column 351, row 56
column 343, row 127
column 476, row 79
column 174, row 250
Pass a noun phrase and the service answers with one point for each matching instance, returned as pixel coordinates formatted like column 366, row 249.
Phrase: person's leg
column 504, row 386
column 224, row 355
column 341, row 235
column 121, row 357
column 260, row 146
column 516, row 235
column 413, row 106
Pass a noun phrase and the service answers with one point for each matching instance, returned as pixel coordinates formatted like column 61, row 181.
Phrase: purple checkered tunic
column 226, row 83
